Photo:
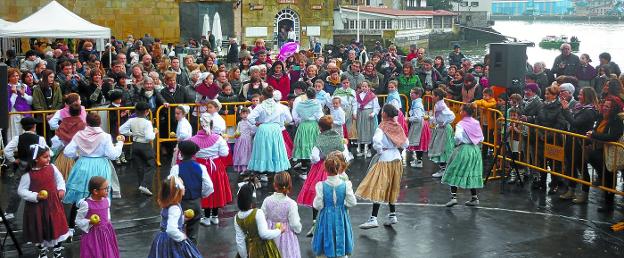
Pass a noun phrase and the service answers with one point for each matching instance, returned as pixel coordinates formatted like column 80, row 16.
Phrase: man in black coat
column 566, row 63
column 171, row 94
column 232, row 55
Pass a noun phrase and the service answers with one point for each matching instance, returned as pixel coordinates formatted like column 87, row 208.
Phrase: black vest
column 23, row 146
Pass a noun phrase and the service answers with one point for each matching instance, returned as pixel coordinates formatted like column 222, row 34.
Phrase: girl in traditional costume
column 368, row 108
column 306, row 113
column 419, row 134
column 441, row 145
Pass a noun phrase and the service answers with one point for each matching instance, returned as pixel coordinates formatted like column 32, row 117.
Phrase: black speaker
column 508, row 65
column 4, row 94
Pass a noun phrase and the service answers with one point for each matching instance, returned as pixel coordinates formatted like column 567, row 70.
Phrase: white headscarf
column 206, row 122
column 277, row 95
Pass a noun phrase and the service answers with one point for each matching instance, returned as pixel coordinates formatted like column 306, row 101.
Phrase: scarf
column 394, row 131
column 64, row 112
column 368, row 98
column 149, row 93
column 329, row 141
column 269, row 106
column 69, row 127
column 394, row 95
column 468, row 94
column 88, row 139
column 340, row 92
column 307, row 108
column 208, row 91
column 472, row 128
column 428, row 77
column 333, row 82
column 204, row 140
column 602, row 126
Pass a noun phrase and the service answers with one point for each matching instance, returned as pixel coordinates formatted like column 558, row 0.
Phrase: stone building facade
column 273, row 20
column 160, row 18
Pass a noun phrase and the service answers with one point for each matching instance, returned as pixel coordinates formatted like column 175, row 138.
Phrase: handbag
column 614, row 156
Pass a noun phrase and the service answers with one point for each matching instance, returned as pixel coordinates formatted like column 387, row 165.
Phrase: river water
column 596, row 37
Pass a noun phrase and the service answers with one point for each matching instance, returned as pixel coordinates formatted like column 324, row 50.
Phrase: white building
column 403, row 27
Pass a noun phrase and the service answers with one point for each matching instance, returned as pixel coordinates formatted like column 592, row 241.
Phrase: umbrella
column 216, row 30
column 206, row 26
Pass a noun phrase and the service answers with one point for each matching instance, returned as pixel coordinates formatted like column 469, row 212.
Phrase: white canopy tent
column 6, row 44
column 54, row 21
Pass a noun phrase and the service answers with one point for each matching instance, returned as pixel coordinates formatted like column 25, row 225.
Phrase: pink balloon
column 288, row 50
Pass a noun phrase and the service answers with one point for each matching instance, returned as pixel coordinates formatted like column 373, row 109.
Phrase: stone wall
column 304, row 8
column 160, row 18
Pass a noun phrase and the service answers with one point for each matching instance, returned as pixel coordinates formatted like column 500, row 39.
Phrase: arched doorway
column 286, row 26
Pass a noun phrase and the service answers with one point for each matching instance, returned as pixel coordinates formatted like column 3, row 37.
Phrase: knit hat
column 532, row 87
column 567, row 87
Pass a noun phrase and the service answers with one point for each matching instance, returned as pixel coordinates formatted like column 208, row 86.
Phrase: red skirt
column 402, row 122
column 222, row 194
column 308, row 191
column 288, row 143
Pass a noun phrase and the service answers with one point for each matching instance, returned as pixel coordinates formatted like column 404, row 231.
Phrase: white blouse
column 23, row 190
column 219, row 149
column 350, row 199
column 207, row 187
column 260, row 115
column 184, row 131
column 317, row 115
column 294, row 221
column 461, row 137
column 287, row 116
column 218, row 123
column 105, row 148
column 349, row 103
column 383, row 145
column 338, row 115
column 263, row 230
column 374, row 104
column 173, row 217
column 417, row 111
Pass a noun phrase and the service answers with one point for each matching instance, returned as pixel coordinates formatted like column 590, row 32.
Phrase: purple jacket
column 586, row 73
column 21, row 104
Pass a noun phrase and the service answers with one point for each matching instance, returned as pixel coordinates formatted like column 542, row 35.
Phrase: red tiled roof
column 394, row 12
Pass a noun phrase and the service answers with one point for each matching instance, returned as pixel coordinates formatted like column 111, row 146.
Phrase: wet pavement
column 519, row 223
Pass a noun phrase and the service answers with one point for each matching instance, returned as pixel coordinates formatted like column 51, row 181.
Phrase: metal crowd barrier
column 42, row 115
column 565, row 155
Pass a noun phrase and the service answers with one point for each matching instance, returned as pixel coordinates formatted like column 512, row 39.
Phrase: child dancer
column 93, row 218
column 383, row 181
column 218, row 123
column 197, row 185
column 171, row 240
column 328, row 141
column 17, row 154
column 465, row 168
column 69, row 127
column 441, row 145
column 253, row 237
column 339, row 117
column 282, row 212
column 277, row 95
column 183, row 132
column 395, row 99
column 268, row 153
column 419, row 134
column 368, row 108
column 244, row 142
column 306, row 114
column 333, row 197
column 349, row 105
column 94, row 150
column 212, row 150
column 42, row 187
column 142, row 131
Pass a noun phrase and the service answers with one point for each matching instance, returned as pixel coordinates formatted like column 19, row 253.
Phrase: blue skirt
column 165, row 247
column 269, row 151
column 78, row 182
column 333, row 235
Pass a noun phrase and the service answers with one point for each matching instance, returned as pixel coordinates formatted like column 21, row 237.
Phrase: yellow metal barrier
column 560, row 153
column 45, row 115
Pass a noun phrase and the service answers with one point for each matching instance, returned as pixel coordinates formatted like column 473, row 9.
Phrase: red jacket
column 283, row 84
